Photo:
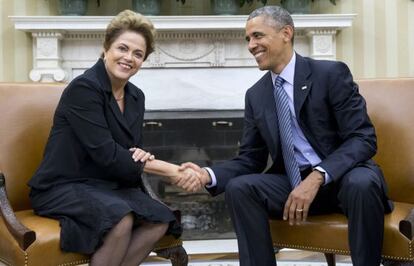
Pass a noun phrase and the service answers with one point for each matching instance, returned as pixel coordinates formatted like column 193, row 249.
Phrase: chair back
column 26, row 112
column 390, row 103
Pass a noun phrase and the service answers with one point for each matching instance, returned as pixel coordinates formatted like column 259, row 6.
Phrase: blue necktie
column 285, row 130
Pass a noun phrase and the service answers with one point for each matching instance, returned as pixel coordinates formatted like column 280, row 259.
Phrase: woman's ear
column 103, row 56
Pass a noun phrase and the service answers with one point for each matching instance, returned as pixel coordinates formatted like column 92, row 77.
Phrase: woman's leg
column 115, row 245
column 143, row 240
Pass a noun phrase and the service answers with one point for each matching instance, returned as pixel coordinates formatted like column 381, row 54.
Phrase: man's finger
column 305, row 212
column 292, row 213
column 287, row 207
column 191, row 166
column 299, row 214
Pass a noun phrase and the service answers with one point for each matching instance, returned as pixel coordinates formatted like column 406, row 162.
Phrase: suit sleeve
column 252, row 157
column 85, row 112
column 357, row 134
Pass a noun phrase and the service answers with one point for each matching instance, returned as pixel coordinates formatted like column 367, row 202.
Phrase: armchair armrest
column 148, row 189
column 407, row 225
column 24, row 236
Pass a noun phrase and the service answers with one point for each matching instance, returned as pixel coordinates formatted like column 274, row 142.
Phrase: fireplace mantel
column 168, row 23
column 193, row 55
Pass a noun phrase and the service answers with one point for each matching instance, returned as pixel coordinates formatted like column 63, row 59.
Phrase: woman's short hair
column 129, row 20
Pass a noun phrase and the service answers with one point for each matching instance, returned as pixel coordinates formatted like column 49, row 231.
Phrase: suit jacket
column 330, row 111
column 90, row 136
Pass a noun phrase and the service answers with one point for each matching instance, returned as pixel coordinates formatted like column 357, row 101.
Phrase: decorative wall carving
column 200, row 62
column 198, row 49
column 322, row 43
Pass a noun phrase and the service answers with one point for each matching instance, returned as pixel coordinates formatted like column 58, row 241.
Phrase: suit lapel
column 132, row 110
column 99, row 71
column 106, row 85
column 118, row 115
column 301, row 84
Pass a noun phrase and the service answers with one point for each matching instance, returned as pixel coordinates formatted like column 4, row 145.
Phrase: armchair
column 27, row 239
column 390, row 106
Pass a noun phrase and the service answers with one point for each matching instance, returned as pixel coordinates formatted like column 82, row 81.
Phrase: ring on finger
column 299, row 210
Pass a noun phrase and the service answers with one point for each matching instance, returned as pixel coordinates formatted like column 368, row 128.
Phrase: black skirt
column 87, row 212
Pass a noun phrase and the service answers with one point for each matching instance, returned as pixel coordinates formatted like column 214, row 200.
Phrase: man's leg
column 251, row 199
column 360, row 196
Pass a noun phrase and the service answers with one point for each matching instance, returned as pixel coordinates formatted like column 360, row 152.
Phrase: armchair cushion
column 329, row 234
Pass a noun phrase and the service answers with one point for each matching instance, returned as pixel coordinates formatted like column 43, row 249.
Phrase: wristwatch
column 322, row 173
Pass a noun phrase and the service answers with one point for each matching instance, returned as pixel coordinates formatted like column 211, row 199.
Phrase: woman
column 90, row 176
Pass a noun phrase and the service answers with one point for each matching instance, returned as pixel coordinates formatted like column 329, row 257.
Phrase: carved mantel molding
column 194, row 55
column 63, row 45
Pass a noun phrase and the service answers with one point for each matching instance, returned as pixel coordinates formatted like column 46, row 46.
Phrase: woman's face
column 125, row 57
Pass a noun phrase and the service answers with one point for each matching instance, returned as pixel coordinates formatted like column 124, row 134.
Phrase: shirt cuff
column 213, row 177
column 328, row 179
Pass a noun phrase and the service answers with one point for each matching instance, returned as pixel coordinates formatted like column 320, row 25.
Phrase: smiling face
column 124, row 57
column 271, row 46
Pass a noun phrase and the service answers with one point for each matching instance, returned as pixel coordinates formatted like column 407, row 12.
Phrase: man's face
column 271, row 47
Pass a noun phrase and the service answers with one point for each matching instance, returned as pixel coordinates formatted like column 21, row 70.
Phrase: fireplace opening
column 204, row 141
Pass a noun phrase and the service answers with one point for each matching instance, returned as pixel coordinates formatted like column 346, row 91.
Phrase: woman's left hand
column 141, row 155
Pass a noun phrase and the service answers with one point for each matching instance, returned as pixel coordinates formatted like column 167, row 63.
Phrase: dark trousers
column 253, row 199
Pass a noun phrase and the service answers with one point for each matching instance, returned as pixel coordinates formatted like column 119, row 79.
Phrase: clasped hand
column 141, row 155
column 192, row 177
column 188, row 176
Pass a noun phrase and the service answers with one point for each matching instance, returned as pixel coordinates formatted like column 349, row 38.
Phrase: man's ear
column 287, row 31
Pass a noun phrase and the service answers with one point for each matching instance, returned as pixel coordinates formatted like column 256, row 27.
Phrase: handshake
column 191, row 177
column 187, row 176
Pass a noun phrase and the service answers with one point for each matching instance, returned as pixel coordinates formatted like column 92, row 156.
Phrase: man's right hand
column 204, row 177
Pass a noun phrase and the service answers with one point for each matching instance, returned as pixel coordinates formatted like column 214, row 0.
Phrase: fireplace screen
column 204, row 141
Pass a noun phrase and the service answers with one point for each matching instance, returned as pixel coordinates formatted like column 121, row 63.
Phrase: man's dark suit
column 333, row 117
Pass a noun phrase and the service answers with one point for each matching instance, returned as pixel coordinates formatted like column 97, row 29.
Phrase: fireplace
column 205, row 139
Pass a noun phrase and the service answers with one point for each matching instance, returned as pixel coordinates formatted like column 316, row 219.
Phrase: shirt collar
column 288, row 72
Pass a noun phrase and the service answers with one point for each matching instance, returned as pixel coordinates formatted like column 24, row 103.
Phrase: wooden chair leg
column 177, row 255
column 330, row 259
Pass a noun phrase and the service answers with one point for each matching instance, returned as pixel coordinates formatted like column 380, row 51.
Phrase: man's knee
column 360, row 184
column 362, row 180
column 238, row 186
column 238, row 189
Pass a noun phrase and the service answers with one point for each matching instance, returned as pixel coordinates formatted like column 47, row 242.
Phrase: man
column 310, row 117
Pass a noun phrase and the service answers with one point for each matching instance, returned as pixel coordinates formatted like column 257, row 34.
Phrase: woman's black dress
column 87, row 178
